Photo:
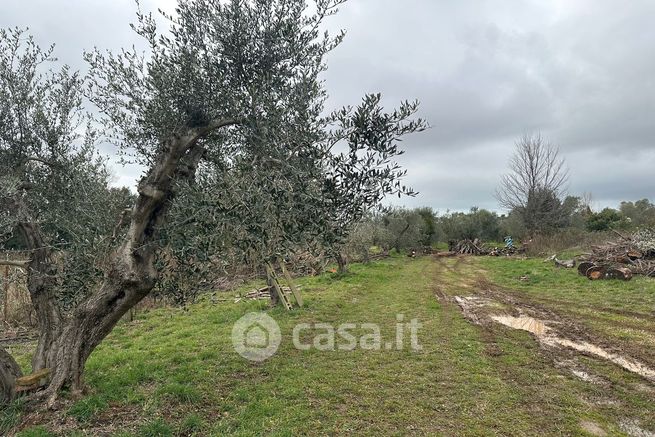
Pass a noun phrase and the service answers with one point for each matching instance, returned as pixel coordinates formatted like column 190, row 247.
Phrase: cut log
column 445, row 254
column 619, row 273
column 567, row 264
column 597, row 272
column 601, row 272
column 584, row 266
column 633, row 255
column 33, row 381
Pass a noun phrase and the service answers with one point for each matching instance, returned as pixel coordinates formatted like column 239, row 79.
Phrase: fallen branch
column 567, row 264
column 11, row 263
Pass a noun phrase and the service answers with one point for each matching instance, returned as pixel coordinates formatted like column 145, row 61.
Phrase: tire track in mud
column 479, row 300
column 561, row 339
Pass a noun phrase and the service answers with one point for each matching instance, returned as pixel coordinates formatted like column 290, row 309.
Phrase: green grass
column 620, row 311
column 10, row 416
column 174, row 372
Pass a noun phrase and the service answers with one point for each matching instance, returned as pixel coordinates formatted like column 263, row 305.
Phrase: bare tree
column 535, row 183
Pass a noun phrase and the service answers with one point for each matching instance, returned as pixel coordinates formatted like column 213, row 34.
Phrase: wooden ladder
column 283, row 298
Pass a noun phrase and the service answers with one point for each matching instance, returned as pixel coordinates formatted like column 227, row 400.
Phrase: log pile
column 467, row 247
column 622, row 259
column 504, row 251
column 263, row 293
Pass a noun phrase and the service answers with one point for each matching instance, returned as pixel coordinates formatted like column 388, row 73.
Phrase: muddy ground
column 562, row 339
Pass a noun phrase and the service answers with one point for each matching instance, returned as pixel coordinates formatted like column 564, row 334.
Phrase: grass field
column 175, row 372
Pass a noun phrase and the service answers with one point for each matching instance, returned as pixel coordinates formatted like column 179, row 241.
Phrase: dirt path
column 566, row 343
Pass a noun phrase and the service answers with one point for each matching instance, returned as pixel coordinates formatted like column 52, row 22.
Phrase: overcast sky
column 581, row 72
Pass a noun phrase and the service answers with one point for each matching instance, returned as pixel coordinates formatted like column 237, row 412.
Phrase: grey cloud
column 486, row 71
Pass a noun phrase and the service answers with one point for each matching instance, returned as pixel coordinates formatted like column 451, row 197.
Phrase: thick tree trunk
column 342, row 263
column 124, row 287
column 9, row 371
column 130, row 275
column 41, row 278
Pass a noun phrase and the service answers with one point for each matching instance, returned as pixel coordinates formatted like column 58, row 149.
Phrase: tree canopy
column 225, row 112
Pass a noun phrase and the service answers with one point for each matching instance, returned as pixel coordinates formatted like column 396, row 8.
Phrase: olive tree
column 226, row 100
column 301, row 194
column 183, row 104
column 54, row 199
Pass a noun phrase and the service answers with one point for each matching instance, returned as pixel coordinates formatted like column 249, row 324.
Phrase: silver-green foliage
column 50, row 173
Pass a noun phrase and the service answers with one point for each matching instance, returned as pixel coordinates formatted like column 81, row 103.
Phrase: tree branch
column 213, row 125
column 11, row 263
column 43, row 161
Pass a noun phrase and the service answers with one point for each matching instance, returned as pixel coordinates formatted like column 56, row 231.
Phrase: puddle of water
column 626, row 363
column 537, row 327
column 545, row 335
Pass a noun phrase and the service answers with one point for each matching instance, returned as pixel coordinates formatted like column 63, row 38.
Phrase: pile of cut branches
column 623, row 258
column 505, row 251
column 263, row 293
column 467, row 247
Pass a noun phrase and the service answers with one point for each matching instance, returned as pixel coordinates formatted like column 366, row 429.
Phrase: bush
column 477, row 223
column 605, row 220
column 565, row 239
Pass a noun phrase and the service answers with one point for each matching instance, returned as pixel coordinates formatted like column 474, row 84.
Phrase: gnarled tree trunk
column 131, row 274
column 65, row 344
column 9, row 371
column 129, row 280
column 41, row 277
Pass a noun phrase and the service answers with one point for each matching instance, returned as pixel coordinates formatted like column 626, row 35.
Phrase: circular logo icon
column 256, row 336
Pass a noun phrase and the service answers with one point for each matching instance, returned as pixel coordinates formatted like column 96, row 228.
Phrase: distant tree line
column 403, row 229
